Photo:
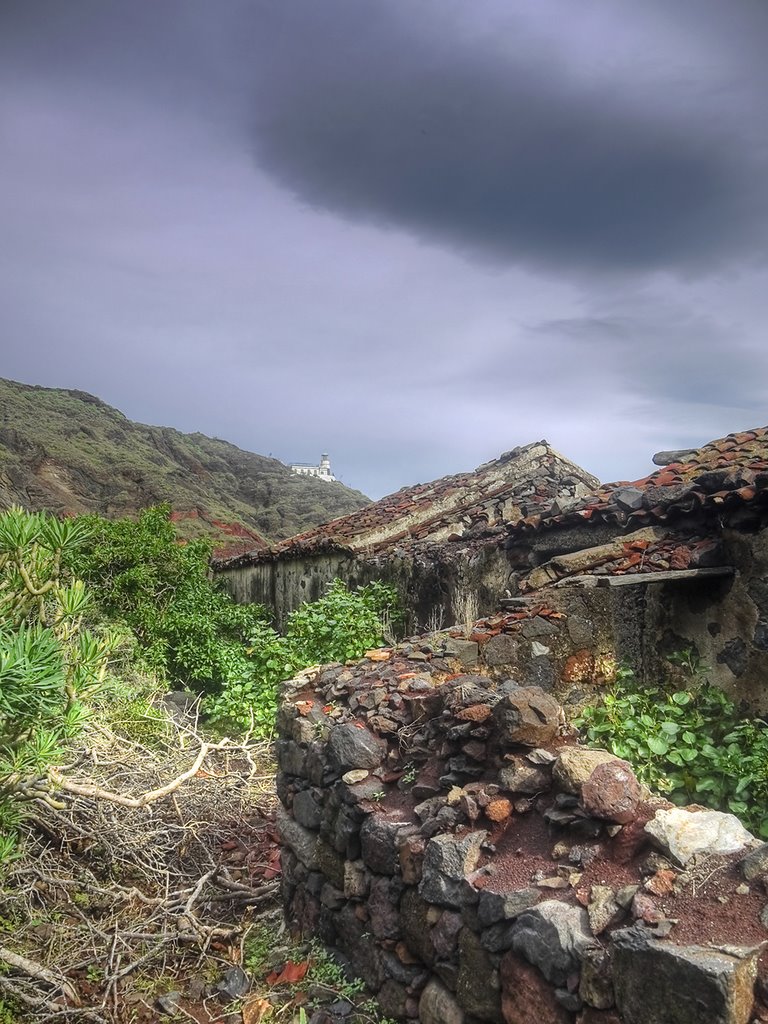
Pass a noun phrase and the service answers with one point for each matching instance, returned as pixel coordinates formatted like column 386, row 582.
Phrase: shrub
column 691, row 744
column 189, row 631
column 342, row 625
column 192, row 634
column 50, row 665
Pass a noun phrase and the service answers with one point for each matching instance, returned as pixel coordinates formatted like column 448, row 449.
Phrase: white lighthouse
column 322, row 472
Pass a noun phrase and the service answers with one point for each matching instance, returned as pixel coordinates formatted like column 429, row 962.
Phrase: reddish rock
column 680, row 558
column 474, row 713
column 662, row 883
column 612, row 792
column 632, row 838
column 579, row 668
column 645, row 909
column 526, row 995
column 479, row 638
column 475, row 749
column 498, row 810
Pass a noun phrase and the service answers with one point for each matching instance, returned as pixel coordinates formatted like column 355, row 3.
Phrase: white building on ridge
column 322, row 472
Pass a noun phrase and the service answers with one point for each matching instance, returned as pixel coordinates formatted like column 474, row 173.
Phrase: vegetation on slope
column 69, row 452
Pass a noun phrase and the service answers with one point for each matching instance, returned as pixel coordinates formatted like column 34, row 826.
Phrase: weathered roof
column 723, row 474
column 497, row 492
column 643, row 553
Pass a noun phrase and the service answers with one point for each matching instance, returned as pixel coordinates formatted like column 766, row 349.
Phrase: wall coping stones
column 448, row 860
column 690, row 984
column 553, row 936
column 682, row 834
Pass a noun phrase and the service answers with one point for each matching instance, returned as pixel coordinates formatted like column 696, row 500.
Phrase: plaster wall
column 446, row 587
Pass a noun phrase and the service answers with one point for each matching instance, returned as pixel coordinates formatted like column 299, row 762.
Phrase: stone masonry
column 444, row 832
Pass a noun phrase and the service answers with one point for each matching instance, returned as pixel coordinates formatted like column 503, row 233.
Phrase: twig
column 35, row 970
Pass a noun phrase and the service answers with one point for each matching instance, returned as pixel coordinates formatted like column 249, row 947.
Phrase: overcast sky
column 413, row 233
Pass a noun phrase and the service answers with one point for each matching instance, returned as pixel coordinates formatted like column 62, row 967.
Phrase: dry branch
column 35, row 970
column 142, row 885
column 96, row 792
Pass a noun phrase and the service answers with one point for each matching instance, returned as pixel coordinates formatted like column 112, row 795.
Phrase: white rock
column 683, row 833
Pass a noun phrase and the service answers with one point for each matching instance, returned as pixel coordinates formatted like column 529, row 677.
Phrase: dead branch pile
column 151, row 861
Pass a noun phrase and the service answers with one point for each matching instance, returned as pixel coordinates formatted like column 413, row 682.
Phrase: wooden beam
column 592, row 582
column 640, row 578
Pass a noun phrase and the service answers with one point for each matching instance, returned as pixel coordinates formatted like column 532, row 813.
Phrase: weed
column 8, row 1012
column 326, row 972
column 691, row 744
column 258, row 946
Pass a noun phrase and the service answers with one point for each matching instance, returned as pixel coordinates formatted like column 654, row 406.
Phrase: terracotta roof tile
column 511, row 486
column 727, row 472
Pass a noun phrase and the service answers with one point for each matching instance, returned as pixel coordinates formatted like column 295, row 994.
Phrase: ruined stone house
column 472, row 863
column 675, row 561
column 438, row 542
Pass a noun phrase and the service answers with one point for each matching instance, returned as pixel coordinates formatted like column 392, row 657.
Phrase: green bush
column 50, row 665
column 189, row 631
column 340, row 626
column 191, row 634
column 691, row 744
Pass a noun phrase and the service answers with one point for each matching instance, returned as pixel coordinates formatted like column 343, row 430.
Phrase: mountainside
column 69, row 452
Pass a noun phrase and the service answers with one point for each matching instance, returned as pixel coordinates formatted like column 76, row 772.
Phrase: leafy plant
column 50, row 665
column 8, row 1012
column 341, row 625
column 189, row 631
column 325, row 972
column 691, row 744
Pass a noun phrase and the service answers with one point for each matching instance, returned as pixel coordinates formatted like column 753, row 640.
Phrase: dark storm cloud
column 390, row 115
column 391, row 228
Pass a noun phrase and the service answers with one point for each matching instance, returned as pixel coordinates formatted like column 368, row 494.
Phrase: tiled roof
column 721, row 475
column 643, row 553
column 496, row 493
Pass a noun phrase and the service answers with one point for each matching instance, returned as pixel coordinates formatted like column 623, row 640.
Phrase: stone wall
column 726, row 622
column 453, row 584
column 444, row 833
column 723, row 621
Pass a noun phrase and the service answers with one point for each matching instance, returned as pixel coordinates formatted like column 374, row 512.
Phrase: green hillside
column 69, row 452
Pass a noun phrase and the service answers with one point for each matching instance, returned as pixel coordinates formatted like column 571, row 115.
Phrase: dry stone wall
column 443, row 832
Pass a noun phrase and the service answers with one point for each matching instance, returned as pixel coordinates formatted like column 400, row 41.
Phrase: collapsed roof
column 503, row 491
column 723, row 474
column 668, row 522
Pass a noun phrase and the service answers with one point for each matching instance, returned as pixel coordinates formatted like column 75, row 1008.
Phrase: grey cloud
column 148, row 257
column 510, row 158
